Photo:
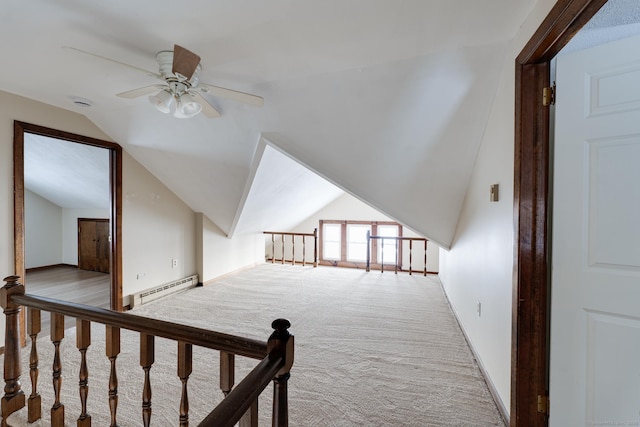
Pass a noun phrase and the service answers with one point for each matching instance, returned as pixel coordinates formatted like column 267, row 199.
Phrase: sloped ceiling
column 74, row 176
column 280, row 192
column 386, row 99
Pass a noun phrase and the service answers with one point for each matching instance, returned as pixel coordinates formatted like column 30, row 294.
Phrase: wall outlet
column 174, row 263
column 479, row 308
column 140, row 275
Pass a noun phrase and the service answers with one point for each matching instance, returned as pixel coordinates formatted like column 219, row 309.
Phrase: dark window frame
column 344, row 262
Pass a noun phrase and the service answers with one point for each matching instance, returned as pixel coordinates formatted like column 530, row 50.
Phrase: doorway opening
column 66, row 156
column 529, row 357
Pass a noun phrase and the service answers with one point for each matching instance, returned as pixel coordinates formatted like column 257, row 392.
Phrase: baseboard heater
column 164, row 290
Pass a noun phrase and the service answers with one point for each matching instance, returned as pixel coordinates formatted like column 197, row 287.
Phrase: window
column 357, row 242
column 331, row 241
column 344, row 243
column 388, row 247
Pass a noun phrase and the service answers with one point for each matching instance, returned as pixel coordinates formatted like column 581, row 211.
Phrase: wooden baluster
column 304, row 249
column 227, row 379
column 13, row 398
column 425, row 257
column 227, row 371
column 283, row 249
column 368, row 266
column 147, row 354
column 315, row 247
column 185, row 357
column 281, row 341
column 34, row 404
column 250, row 418
column 273, row 248
column 112, row 351
column 381, row 254
column 57, row 334
column 83, row 341
column 293, row 249
column 396, row 240
column 410, row 256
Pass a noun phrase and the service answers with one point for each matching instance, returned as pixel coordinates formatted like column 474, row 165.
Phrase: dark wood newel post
column 13, row 398
column 315, row 247
column 368, row 267
column 281, row 344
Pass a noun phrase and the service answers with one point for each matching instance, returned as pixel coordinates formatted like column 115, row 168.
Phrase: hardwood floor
column 69, row 284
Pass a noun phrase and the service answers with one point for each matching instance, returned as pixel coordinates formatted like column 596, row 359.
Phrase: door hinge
column 543, row 404
column 549, row 95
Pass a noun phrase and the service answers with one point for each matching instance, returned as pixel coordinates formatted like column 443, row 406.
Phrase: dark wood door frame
column 530, row 337
column 115, row 191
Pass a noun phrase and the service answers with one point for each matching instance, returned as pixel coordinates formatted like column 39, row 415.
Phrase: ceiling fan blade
column 185, row 62
column 207, row 109
column 245, row 98
column 140, row 91
column 133, row 67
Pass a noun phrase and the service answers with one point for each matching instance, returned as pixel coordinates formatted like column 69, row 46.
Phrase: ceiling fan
column 181, row 90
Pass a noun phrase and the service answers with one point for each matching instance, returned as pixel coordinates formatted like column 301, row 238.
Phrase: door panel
column 612, row 394
column 86, row 245
column 93, row 244
column 595, row 301
column 103, row 249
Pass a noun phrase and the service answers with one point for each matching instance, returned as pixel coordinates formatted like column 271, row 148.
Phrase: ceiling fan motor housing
column 165, row 64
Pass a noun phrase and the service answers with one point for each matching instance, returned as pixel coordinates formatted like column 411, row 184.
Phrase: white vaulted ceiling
column 386, row 99
column 69, row 175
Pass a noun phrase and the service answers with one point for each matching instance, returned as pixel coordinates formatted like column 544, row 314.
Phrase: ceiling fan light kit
column 162, row 101
column 186, row 106
column 182, row 104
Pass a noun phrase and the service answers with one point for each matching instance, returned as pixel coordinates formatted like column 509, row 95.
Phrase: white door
column 595, row 298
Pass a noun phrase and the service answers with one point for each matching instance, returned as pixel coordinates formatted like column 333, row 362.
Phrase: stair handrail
column 275, row 355
column 293, row 246
column 397, row 239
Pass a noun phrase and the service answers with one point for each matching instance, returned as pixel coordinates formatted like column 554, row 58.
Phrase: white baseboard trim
column 231, row 273
column 487, row 379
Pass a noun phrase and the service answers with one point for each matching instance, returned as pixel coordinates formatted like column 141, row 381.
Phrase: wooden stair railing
column 239, row 405
column 398, row 240
column 293, row 242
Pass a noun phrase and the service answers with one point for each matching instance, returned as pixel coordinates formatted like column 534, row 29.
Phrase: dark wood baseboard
column 492, row 388
column 47, row 267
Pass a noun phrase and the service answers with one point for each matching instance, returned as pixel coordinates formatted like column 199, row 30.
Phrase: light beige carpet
column 371, row 350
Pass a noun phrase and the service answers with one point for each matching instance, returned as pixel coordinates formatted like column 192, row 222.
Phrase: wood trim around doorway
column 530, row 337
column 20, row 128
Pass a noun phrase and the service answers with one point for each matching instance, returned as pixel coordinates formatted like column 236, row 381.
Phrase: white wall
column 479, row 266
column 70, row 231
column 157, row 227
column 51, row 232
column 221, row 255
column 347, row 207
column 43, row 235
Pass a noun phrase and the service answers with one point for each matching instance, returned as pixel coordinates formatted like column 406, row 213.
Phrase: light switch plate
column 494, row 193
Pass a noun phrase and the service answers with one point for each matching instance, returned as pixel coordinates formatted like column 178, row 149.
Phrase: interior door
column 595, row 299
column 93, row 244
